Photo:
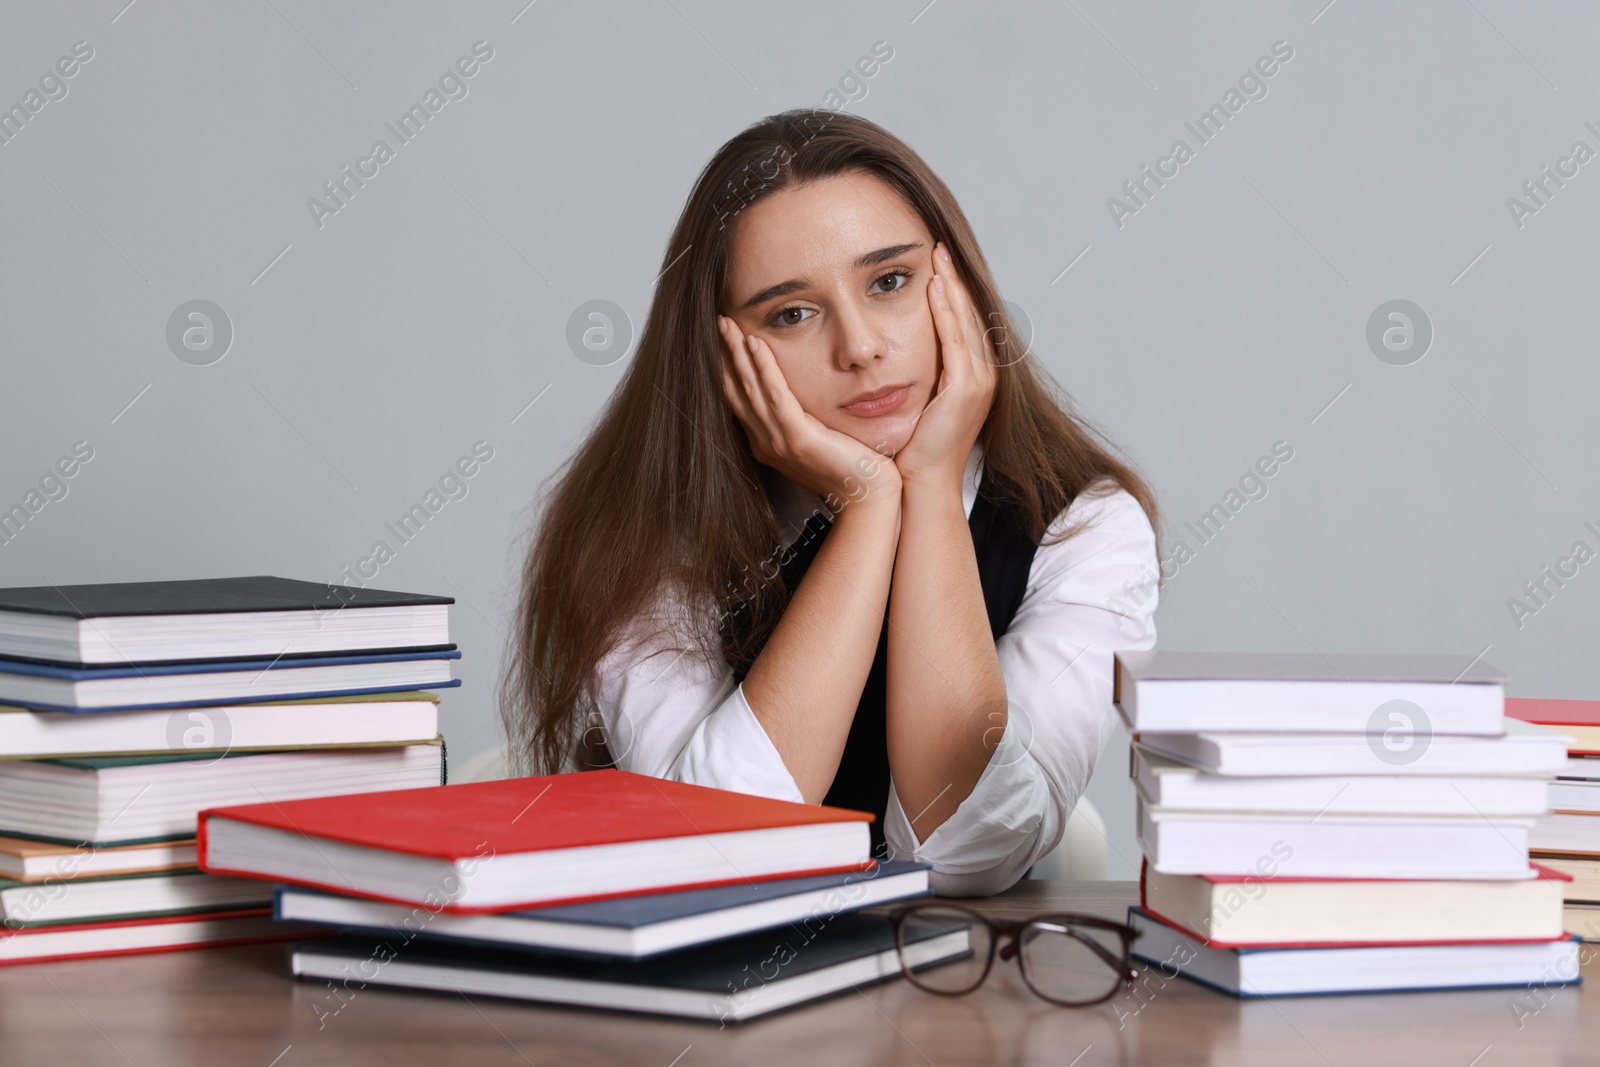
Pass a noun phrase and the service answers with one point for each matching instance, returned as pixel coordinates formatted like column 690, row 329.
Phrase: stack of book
column 125, row 709
column 1568, row 839
column 1340, row 823
column 604, row 889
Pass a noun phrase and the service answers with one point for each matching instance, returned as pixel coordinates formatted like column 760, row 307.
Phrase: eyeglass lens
column 1060, row 960
column 961, row 973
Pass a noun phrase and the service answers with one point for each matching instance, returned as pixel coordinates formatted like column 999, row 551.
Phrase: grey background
column 1229, row 313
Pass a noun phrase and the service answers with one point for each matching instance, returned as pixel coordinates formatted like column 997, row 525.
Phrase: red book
column 159, row 934
column 1579, row 718
column 527, row 842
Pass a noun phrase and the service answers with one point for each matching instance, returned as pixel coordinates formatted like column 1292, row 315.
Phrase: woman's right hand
column 791, row 440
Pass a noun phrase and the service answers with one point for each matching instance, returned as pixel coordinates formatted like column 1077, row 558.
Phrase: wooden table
column 238, row 1006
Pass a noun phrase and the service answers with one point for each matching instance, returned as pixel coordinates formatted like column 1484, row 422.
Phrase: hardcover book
column 111, row 800
column 729, row 981
column 164, row 933
column 51, row 687
column 1186, row 692
column 1579, row 719
column 1288, row 972
column 636, row 926
column 405, row 717
column 524, row 842
column 213, row 618
column 1239, row 911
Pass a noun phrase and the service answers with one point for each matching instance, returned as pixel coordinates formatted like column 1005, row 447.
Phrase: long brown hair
column 663, row 502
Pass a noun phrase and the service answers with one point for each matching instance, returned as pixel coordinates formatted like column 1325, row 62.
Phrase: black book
column 728, row 981
column 214, row 619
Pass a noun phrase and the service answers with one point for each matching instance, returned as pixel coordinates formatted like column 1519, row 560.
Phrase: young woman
column 835, row 538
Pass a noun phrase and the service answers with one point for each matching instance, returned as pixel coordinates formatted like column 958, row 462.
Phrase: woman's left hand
column 948, row 426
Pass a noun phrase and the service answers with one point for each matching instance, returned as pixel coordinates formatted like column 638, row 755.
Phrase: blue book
column 634, row 927
column 1289, row 972
column 51, row 687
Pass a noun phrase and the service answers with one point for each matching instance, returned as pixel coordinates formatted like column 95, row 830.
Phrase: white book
column 1334, row 846
column 1581, row 769
column 371, row 719
column 1524, row 749
column 28, row 860
column 1165, row 783
column 1566, row 832
column 1582, row 795
column 1268, row 972
column 147, row 935
column 138, row 798
column 126, row 896
column 1307, row 692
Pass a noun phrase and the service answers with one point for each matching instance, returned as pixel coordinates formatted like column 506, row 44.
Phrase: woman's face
column 833, row 276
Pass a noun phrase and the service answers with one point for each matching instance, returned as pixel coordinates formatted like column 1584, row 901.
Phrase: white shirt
column 681, row 716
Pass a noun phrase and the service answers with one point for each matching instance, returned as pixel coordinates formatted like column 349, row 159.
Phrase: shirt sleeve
column 1087, row 597
column 679, row 714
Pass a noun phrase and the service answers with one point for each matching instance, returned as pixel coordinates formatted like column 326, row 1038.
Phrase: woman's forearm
column 946, row 704
column 806, row 683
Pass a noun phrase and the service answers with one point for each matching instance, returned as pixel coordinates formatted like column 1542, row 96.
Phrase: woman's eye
column 897, row 280
column 791, row 316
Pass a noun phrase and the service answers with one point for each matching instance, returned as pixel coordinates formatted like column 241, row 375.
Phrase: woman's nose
column 858, row 343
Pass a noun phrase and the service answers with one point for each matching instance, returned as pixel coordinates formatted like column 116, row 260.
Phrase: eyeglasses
column 1070, row 960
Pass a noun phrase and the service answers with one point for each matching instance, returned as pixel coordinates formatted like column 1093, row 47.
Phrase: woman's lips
column 880, row 406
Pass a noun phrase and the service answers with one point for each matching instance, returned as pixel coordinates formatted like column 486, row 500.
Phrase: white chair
column 1081, row 855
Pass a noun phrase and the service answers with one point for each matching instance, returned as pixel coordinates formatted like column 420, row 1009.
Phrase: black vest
column 1005, row 556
